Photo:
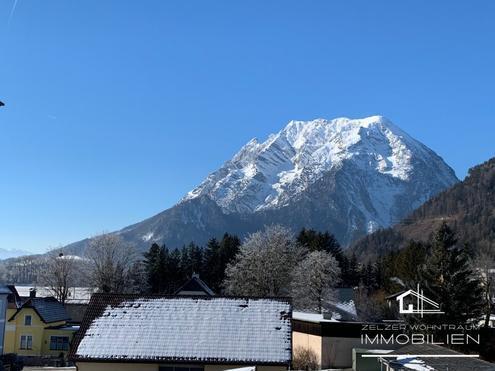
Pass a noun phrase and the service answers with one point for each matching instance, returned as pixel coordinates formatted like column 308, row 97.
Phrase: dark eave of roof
column 208, row 361
column 195, row 284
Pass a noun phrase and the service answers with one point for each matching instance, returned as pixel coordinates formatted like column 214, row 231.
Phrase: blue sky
column 115, row 109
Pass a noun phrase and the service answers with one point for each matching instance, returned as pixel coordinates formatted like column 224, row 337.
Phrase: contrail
column 12, row 12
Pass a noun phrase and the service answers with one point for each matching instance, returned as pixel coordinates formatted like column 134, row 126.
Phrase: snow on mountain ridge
column 345, row 176
column 260, row 173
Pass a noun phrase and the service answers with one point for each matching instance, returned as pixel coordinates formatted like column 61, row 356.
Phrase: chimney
column 32, row 293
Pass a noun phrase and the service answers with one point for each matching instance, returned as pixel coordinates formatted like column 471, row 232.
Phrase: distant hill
column 12, row 253
column 468, row 207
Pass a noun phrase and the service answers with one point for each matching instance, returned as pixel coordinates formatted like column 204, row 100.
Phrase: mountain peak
column 267, row 175
column 346, row 176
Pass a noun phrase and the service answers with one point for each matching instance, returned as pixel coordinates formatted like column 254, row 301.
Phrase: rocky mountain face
column 468, row 207
column 349, row 177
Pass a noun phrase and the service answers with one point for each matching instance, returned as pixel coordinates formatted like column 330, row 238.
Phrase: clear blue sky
column 115, row 109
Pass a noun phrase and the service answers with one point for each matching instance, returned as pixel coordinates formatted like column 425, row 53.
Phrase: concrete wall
column 307, row 341
column 332, row 352
column 94, row 366
column 337, row 352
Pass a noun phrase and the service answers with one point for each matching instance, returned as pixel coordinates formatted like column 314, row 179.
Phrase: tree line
column 308, row 266
column 270, row 262
column 450, row 272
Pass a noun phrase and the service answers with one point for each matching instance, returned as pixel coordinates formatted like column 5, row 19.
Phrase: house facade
column 183, row 333
column 37, row 327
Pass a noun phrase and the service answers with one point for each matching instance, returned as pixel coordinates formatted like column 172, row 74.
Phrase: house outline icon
column 432, row 306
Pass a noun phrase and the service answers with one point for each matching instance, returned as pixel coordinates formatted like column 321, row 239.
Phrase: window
column 26, row 342
column 59, row 343
column 28, row 320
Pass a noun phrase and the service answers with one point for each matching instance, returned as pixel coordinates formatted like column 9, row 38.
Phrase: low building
column 37, row 327
column 330, row 339
column 76, row 295
column 75, row 304
column 181, row 333
column 195, row 286
column 430, row 357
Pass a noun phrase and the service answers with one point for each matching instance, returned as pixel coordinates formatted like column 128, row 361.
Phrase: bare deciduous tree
column 305, row 359
column 264, row 264
column 313, row 281
column 24, row 269
column 60, row 273
column 373, row 306
column 110, row 262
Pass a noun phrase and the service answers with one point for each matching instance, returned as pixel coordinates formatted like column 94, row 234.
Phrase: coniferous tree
column 318, row 241
column 155, row 269
column 324, row 241
column 410, row 263
column 213, row 264
column 176, row 276
column 351, row 274
column 217, row 256
column 450, row 280
column 191, row 260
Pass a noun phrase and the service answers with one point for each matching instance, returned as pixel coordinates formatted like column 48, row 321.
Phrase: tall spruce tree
column 191, row 260
column 176, row 277
column 320, row 241
column 324, row 241
column 450, row 280
column 155, row 269
column 217, row 256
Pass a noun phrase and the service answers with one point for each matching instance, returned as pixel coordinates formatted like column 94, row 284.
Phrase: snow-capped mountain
column 346, row 176
column 12, row 253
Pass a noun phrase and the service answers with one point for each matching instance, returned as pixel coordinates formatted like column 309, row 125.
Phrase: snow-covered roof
column 411, row 363
column 185, row 329
column 49, row 309
column 77, row 295
column 250, row 368
column 409, row 357
column 311, row 317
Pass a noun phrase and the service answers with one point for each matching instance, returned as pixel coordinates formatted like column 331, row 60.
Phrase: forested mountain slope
column 468, row 207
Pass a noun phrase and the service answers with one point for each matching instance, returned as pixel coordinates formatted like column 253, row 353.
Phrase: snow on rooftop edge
column 211, row 329
column 311, row 317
